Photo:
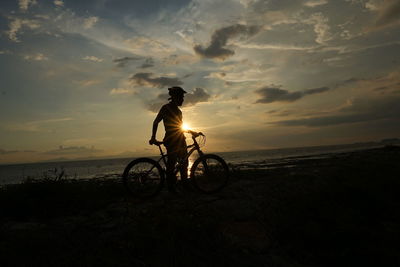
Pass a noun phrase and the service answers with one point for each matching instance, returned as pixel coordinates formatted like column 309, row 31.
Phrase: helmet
column 176, row 90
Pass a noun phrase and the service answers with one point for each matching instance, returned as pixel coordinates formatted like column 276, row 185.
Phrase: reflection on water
column 191, row 160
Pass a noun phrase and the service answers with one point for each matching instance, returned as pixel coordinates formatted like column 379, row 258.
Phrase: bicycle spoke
column 143, row 178
column 210, row 173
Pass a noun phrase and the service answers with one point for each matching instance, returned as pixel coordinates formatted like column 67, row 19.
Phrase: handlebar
column 195, row 134
column 157, row 143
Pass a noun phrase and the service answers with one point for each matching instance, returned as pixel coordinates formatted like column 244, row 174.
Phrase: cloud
column 146, row 79
column 321, row 27
column 5, row 152
column 217, row 75
column 24, row 4
column 36, row 57
column 187, row 75
column 155, row 104
column 121, row 62
column 388, row 13
column 381, row 88
column 378, row 102
column 89, row 82
column 276, row 94
column 121, row 91
column 281, row 113
column 36, row 126
column 220, row 38
column 148, row 46
column 373, row 5
column 93, row 58
column 90, row 22
column 314, row 3
column 348, row 82
column 277, row 47
column 59, row 3
column 197, row 96
column 279, row 17
column 361, row 110
column 328, row 120
column 17, row 25
column 179, row 59
column 388, row 81
column 315, row 90
column 246, row 3
column 191, row 99
column 148, row 63
column 5, row 52
column 79, row 150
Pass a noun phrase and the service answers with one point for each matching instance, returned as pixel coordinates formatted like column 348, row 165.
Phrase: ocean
column 113, row 168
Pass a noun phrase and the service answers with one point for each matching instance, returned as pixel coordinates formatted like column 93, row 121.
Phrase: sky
column 84, row 79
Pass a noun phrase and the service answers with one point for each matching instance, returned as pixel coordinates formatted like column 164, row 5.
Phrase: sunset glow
column 85, row 79
column 185, row 127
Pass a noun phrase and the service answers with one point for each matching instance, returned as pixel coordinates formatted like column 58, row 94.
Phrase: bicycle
column 144, row 177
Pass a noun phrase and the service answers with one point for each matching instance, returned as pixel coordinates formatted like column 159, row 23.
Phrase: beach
column 336, row 210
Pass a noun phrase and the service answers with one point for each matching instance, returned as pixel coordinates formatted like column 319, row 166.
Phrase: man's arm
column 155, row 126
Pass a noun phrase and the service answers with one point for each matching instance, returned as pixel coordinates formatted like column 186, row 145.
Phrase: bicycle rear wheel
column 209, row 173
column 143, row 178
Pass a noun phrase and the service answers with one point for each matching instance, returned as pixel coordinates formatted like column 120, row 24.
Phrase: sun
column 185, row 127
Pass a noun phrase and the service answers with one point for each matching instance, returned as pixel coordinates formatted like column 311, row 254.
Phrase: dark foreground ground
column 340, row 211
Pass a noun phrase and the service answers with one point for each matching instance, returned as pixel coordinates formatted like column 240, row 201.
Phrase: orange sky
column 84, row 79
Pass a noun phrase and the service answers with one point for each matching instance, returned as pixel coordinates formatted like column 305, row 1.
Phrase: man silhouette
column 174, row 139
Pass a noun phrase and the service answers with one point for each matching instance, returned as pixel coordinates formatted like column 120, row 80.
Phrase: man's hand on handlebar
column 195, row 134
column 152, row 140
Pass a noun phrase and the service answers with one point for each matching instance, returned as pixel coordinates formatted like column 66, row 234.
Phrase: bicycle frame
column 193, row 147
column 208, row 172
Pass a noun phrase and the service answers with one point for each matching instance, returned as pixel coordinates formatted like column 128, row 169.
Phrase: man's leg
column 184, row 168
column 182, row 153
column 171, row 162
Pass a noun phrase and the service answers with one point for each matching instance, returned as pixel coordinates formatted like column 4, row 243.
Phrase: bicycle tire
column 143, row 178
column 209, row 173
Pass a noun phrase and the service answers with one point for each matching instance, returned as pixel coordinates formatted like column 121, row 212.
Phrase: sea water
column 113, row 168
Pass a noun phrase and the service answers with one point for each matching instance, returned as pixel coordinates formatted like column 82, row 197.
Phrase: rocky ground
column 338, row 211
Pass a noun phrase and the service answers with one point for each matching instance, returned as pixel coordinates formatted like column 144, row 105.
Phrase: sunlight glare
column 185, row 127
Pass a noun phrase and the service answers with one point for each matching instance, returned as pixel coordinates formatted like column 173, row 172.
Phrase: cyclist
column 174, row 139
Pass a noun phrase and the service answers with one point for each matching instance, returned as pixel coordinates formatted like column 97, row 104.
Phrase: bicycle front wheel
column 209, row 173
column 143, row 178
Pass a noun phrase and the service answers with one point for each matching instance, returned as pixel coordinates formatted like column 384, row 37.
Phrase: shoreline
column 98, row 167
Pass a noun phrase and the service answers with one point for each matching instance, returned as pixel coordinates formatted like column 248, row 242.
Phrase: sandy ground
column 338, row 211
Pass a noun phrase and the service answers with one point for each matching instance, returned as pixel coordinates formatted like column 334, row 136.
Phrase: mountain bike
column 145, row 177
